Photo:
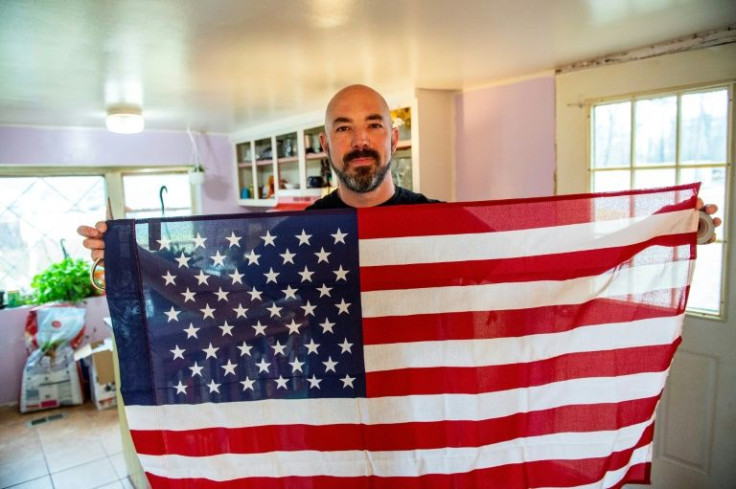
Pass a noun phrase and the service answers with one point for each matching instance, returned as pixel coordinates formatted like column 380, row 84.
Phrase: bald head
column 355, row 96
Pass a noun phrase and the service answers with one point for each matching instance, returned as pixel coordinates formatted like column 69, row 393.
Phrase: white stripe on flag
column 523, row 295
column 399, row 409
column 525, row 242
column 398, row 463
column 503, row 351
column 612, row 477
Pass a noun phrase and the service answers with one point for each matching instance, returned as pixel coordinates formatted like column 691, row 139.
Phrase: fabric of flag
column 504, row 344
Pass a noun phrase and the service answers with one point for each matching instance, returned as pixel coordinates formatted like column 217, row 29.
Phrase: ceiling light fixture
column 125, row 120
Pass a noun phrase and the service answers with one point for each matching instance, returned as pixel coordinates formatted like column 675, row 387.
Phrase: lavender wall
column 505, row 141
column 68, row 147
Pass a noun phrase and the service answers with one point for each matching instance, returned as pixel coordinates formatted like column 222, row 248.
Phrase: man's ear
column 323, row 141
column 394, row 139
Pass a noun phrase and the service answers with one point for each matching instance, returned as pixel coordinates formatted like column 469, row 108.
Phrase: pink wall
column 505, row 141
column 66, row 147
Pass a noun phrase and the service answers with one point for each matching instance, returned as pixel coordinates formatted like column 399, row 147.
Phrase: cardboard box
column 49, row 382
column 98, row 358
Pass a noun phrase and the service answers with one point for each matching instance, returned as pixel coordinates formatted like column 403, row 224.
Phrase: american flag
column 506, row 344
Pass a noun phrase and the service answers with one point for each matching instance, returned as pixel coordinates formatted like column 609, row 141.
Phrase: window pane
column 655, row 178
column 142, row 195
column 36, row 215
column 712, row 189
column 612, row 135
column 704, row 127
column 655, row 131
column 705, row 291
column 610, row 181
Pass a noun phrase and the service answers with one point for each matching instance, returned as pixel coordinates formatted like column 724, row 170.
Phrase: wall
column 505, row 140
column 75, row 147
column 13, row 346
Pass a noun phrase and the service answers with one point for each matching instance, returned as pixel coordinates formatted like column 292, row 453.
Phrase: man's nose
column 360, row 138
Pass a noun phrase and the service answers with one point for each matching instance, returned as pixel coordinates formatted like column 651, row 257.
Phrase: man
column 359, row 140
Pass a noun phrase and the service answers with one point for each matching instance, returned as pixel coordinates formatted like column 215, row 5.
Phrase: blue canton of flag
column 241, row 310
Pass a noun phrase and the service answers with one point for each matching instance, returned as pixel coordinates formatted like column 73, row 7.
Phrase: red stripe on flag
column 508, row 215
column 561, row 266
column 476, row 380
column 545, row 473
column 522, row 322
column 400, row 436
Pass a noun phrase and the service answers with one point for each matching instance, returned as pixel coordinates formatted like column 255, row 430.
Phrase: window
column 667, row 139
column 39, row 215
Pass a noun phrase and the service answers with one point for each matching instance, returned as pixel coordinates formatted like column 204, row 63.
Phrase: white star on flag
column 339, row 236
column 330, row 365
column 306, row 274
column 260, row 329
column 214, row 387
column 191, row 331
column 178, row 352
column 229, row 367
column 293, row 327
column 234, row 240
column 268, row 239
column 252, row 258
column 173, row 314
column 247, row 383
column 210, row 351
column 324, row 290
column 303, row 238
column 183, row 260
column 181, row 388
column 296, row 365
column 245, row 349
column 255, row 294
column 341, row 274
column 202, row 278
column 271, row 275
column 196, row 369
column 263, row 365
column 226, row 329
column 312, row 346
column 240, row 311
column 314, row 382
column 327, row 326
column 208, row 312
column 308, row 309
column 281, row 382
column 164, row 243
column 322, row 255
column 342, row 307
column 346, row 347
column 278, row 348
column 221, row 294
column 289, row 292
column 218, row 259
column 287, row 256
column 237, row 277
column 347, row 381
column 274, row 310
column 199, row 241
column 170, row 279
column 188, row 295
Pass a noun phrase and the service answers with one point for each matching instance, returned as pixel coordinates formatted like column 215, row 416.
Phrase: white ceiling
column 224, row 65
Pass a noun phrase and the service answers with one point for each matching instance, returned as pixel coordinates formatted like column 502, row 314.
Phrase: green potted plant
column 64, row 281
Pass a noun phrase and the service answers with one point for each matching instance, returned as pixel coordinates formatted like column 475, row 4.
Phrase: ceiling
column 223, row 65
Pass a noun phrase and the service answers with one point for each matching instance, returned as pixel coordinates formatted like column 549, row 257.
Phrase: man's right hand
column 94, row 240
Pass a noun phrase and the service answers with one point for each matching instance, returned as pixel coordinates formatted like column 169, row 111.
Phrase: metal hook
column 161, row 197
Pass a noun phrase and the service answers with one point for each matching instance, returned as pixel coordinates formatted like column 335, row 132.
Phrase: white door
column 695, row 430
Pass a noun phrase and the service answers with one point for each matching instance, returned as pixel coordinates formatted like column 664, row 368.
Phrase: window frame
column 632, row 98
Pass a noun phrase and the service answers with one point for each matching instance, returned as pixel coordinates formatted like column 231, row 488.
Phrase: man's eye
column 376, row 125
column 341, row 129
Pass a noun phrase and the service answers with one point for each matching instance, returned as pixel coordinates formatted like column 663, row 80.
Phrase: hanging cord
column 161, row 199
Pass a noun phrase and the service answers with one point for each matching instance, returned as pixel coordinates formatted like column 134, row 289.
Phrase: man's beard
column 363, row 179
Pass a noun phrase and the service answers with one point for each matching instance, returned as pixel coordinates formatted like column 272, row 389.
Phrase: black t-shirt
column 401, row 196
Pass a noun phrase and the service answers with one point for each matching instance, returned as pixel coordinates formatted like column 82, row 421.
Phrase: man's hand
column 710, row 209
column 94, row 240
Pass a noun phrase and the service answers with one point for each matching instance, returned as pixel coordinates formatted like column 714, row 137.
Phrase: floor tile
column 40, row 483
column 21, row 459
column 118, row 462
column 64, row 453
column 113, row 485
column 88, row 476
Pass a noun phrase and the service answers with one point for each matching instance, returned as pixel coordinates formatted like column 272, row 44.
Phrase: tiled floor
column 82, row 450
